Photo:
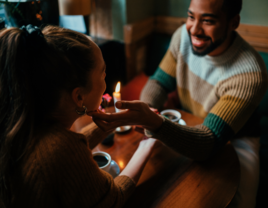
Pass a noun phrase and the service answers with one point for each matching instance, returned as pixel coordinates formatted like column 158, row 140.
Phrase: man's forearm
column 153, row 94
column 197, row 143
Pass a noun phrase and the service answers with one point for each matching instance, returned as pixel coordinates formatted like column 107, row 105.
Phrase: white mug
column 103, row 160
column 171, row 113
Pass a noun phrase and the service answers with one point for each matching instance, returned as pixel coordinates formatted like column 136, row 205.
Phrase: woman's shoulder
column 56, row 142
column 59, row 133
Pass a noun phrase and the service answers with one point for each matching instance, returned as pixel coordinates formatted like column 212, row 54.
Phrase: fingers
column 108, row 117
column 139, row 129
column 101, row 111
column 102, row 125
column 105, row 126
column 132, row 105
column 90, row 113
column 154, row 110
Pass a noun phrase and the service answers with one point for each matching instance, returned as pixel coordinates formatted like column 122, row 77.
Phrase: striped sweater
column 224, row 90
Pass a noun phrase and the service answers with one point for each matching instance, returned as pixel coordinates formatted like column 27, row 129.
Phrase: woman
column 48, row 79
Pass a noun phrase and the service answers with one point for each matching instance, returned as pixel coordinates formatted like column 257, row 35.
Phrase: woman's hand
column 135, row 113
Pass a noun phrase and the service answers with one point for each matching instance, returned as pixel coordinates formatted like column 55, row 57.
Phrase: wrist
column 155, row 123
column 144, row 152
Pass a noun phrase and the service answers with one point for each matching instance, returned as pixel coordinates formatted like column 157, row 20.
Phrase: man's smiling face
column 208, row 27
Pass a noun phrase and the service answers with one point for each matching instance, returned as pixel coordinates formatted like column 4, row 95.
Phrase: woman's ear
column 77, row 96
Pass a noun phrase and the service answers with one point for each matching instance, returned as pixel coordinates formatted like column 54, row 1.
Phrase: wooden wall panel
column 101, row 19
column 168, row 25
column 137, row 31
column 135, row 38
column 257, row 36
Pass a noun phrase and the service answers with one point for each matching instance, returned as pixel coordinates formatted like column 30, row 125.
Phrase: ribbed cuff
column 163, row 131
column 126, row 183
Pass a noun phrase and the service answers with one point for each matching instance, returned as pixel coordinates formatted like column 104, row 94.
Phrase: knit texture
column 224, row 90
column 60, row 172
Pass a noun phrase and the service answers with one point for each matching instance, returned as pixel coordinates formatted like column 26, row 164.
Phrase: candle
column 117, row 95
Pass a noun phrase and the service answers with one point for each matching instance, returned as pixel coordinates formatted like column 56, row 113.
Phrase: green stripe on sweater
column 221, row 130
column 168, row 82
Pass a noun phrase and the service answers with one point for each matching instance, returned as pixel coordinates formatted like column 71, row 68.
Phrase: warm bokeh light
column 39, row 17
column 117, row 88
column 121, row 164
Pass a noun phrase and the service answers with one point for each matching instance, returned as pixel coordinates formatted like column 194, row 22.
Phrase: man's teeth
column 198, row 41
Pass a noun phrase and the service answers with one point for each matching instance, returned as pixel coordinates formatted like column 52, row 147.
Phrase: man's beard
column 211, row 47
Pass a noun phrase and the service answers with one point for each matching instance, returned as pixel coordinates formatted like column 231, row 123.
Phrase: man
column 219, row 77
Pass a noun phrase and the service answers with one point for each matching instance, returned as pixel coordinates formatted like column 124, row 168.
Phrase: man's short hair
column 232, row 7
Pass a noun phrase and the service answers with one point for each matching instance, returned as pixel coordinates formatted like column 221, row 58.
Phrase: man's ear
column 235, row 22
column 77, row 96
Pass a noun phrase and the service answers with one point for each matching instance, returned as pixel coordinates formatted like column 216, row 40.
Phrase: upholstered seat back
column 263, row 108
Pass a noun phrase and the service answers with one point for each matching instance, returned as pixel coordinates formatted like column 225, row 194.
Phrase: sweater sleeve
column 163, row 81
column 239, row 98
column 77, row 179
column 154, row 94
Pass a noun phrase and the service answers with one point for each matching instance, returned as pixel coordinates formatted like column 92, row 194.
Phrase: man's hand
column 133, row 113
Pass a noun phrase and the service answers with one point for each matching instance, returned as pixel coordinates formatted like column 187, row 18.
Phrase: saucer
column 182, row 122
column 114, row 169
column 122, row 129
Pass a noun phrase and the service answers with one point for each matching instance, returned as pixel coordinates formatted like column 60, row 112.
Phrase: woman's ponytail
column 17, row 47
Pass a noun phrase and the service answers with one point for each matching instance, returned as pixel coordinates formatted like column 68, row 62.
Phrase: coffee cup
column 103, row 160
column 172, row 115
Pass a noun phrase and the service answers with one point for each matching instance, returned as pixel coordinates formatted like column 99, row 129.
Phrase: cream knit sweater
column 225, row 91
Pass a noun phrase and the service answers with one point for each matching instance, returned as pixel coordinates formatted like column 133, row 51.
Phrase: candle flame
column 117, row 89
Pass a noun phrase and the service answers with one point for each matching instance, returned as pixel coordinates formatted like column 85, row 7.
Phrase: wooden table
column 173, row 180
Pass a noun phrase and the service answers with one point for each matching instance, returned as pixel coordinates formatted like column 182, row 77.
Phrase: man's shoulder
column 177, row 34
column 245, row 64
column 179, row 38
column 249, row 57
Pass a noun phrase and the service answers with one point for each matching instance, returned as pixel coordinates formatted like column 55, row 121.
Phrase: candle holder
column 117, row 97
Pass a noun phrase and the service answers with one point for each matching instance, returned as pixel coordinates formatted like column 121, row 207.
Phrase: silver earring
column 82, row 112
